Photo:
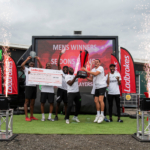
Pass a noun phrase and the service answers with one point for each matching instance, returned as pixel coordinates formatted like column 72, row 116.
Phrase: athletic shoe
column 67, row 121
column 100, row 119
column 33, row 118
column 106, row 120
column 56, row 118
column 28, row 119
column 96, row 118
column 75, row 119
column 50, row 119
column 110, row 120
column 119, row 120
column 43, row 119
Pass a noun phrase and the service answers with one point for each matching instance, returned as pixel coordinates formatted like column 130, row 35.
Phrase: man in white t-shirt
column 73, row 94
column 62, row 90
column 47, row 93
column 100, row 88
column 30, row 90
column 113, row 81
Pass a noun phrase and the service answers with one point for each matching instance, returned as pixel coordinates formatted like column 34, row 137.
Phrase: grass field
column 84, row 127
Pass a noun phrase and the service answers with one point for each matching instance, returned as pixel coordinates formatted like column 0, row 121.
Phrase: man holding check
column 30, row 90
column 47, row 92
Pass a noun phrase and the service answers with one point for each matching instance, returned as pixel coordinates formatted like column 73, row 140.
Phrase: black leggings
column 110, row 101
column 77, row 99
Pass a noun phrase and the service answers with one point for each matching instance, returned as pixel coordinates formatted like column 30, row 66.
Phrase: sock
column 43, row 116
column 49, row 117
column 102, row 113
column 98, row 113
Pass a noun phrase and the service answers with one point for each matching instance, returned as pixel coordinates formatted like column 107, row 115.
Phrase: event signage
column 49, row 77
column 127, row 72
column 115, row 61
column 12, row 76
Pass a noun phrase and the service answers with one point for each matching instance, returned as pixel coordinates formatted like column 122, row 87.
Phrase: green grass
column 84, row 127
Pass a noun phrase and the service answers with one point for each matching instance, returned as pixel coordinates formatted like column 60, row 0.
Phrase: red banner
column 0, row 80
column 10, row 76
column 127, row 72
column 115, row 61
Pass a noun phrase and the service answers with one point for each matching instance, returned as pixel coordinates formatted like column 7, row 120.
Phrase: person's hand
column 38, row 58
column 62, row 51
column 29, row 72
column 76, row 76
column 117, row 78
column 29, row 57
column 83, row 68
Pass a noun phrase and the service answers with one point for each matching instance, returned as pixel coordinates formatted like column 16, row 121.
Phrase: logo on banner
column 10, row 77
column 127, row 74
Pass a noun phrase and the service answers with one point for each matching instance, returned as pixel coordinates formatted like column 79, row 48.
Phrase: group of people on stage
column 69, row 92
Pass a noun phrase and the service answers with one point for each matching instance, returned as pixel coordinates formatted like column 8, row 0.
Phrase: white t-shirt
column 75, row 87
column 26, row 70
column 47, row 89
column 113, row 88
column 64, row 84
column 100, row 81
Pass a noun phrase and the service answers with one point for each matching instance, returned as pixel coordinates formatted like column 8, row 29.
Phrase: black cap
column 112, row 65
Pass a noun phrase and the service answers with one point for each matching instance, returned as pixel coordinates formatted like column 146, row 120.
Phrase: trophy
column 83, row 60
column 32, row 54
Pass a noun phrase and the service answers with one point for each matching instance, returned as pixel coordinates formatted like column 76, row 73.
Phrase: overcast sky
column 127, row 19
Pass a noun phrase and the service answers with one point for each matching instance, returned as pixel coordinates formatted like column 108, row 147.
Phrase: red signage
column 10, row 76
column 127, row 72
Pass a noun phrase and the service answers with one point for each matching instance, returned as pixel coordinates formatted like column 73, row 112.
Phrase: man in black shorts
column 62, row 90
column 73, row 94
column 30, row 90
column 100, row 88
column 47, row 92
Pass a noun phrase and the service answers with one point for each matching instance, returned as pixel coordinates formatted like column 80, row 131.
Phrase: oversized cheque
column 45, row 77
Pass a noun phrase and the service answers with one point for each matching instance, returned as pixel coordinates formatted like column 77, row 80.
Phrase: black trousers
column 77, row 99
column 105, row 106
column 110, row 101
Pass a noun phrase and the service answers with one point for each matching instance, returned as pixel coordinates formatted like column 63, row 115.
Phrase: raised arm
column 92, row 73
column 58, row 64
column 24, row 63
column 71, row 82
column 39, row 62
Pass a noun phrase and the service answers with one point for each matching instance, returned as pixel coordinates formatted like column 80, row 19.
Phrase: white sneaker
column 75, row 119
column 100, row 119
column 43, row 119
column 96, row 118
column 67, row 121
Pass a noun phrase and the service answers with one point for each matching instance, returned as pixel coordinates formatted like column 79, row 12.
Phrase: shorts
column 47, row 96
column 100, row 92
column 30, row 92
column 61, row 95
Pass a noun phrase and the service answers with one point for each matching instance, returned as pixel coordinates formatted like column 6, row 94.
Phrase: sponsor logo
column 127, row 74
column 33, row 69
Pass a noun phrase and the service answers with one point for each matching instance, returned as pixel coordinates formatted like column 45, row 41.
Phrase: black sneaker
column 119, row 120
column 56, row 118
column 110, row 120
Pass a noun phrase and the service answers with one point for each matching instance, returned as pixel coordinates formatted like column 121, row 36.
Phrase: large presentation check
column 45, row 77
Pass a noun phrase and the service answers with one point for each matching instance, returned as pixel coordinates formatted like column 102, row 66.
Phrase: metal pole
column 142, row 124
column 137, row 116
column 7, row 115
column 11, row 121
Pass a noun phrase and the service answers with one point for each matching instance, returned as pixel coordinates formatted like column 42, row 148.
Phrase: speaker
column 145, row 104
column 4, row 105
